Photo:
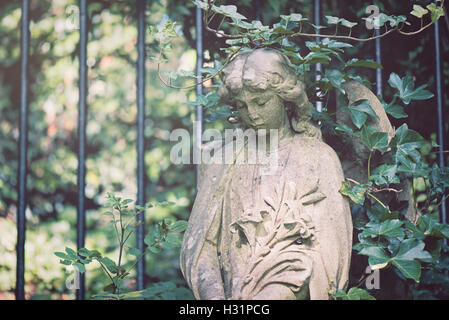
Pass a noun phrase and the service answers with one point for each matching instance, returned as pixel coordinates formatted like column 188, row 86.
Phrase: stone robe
column 283, row 235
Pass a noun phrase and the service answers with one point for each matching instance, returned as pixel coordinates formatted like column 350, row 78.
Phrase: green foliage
column 406, row 91
column 353, row 294
column 166, row 234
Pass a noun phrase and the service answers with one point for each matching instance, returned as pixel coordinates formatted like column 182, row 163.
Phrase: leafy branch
column 166, row 233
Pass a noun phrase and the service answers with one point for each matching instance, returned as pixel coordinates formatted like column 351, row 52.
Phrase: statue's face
column 261, row 109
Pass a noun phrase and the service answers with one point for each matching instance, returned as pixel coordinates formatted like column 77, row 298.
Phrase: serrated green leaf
column 376, row 255
column 332, row 20
column 418, row 11
column 385, row 174
column 346, row 129
column 409, row 268
column 353, row 294
column 435, row 12
column 430, row 226
column 395, row 111
column 228, row 11
column 359, row 294
column 405, row 260
column 347, row 23
column 356, row 193
column 336, row 78
column 374, row 141
column 406, row 91
column 388, row 228
column 359, row 112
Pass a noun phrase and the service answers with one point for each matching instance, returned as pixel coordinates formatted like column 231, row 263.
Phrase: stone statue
column 284, row 235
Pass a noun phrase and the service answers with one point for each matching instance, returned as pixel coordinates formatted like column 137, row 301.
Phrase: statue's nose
column 252, row 112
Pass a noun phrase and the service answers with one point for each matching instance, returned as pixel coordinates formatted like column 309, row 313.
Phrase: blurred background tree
column 111, row 128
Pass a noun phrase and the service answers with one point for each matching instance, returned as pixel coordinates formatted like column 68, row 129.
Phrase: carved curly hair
column 277, row 74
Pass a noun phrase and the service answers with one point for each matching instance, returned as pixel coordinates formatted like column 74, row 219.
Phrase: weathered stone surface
column 354, row 159
column 283, row 235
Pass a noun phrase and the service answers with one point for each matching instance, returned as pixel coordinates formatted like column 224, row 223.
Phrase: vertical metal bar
column 318, row 67
column 23, row 151
column 257, row 6
column 82, row 111
column 199, row 88
column 379, row 80
column 439, row 91
column 141, row 8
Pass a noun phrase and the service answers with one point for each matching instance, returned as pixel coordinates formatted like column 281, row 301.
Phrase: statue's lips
column 257, row 124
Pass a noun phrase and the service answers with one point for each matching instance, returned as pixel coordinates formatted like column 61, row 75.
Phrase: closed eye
column 262, row 101
column 240, row 105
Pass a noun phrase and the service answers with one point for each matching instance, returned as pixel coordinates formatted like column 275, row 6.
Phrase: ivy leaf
column 418, row 11
column 385, row 175
column 376, row 255
column 411, row 269
column 430, row 226
column 201, row 4
column 440, row 179
column 353, row 294
column 435, row 12
column 359, row 112
column 335, row 20
column 405, row 260
column 407, row 139
column 363, row 63
column 317, row 27
column 334, row 44
column 228, row 11
column 406, row 156
column 374, row 141
column 395, row 111
column 356, row 193
column 294, row 17
column 317, row 57
column 346, row 129
column 332, row 20
column 406, row 91
column 336, row 78
column 233, row 42
column 388, row 228
column 347, row 23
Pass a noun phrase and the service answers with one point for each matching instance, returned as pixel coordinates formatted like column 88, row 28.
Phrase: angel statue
column 283, row 235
